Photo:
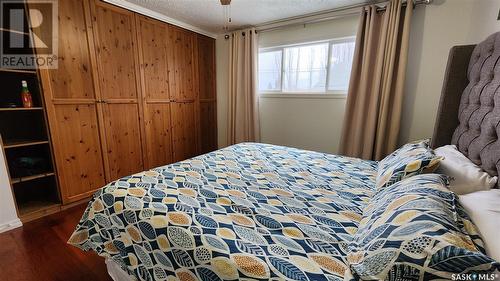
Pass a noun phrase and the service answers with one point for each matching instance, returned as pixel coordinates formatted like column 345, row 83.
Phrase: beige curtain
column 373, row 110
column 243, row 102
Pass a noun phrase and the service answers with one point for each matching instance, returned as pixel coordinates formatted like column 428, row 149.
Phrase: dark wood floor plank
column 38, row 251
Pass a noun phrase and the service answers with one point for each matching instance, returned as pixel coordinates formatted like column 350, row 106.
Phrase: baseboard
column 10, row 225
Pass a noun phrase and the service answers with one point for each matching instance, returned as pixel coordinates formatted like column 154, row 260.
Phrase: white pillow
column 466, row 177
column 483, row 207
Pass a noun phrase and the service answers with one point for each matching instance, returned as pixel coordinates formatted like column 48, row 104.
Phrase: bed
column 246, row 200
column 264, row 212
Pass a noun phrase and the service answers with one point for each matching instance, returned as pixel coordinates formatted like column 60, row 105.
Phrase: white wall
column 435, row 29
column 308, row 122
column 8, row 215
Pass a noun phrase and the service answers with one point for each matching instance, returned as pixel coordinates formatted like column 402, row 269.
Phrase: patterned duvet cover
column 249, row 211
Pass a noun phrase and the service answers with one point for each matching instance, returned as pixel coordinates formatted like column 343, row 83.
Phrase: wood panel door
column 208, row 126
column 118, row 69
column 207, row 90
column 70, row 97
column 206, row 67
column 184, row 130
column 80, row 163
column 153, row 56
column 183, row 86
column 182, row 70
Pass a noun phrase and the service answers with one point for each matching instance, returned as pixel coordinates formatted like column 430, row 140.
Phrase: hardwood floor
column 38, row 251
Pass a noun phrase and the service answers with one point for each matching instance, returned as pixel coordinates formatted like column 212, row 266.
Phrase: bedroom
column 249, row 140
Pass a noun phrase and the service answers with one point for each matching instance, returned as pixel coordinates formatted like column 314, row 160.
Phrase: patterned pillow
column 413, row 231
column 411, row 159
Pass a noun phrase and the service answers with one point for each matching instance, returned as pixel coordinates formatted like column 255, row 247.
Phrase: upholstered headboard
column 469, row 110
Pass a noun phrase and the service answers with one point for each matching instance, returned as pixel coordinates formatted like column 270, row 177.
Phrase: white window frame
column 329, row 94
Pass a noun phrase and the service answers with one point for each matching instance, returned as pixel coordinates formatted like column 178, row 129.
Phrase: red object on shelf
column 26, row 95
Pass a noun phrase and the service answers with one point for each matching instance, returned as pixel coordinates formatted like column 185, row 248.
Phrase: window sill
column 304, row 96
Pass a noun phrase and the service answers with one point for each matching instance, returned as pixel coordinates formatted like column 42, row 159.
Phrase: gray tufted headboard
column 469, row 110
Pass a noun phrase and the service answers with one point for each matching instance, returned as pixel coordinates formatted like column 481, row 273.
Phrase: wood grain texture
column 197, row 98
column 38, row 252
column 120, row 108
column 158, row 134
column 78, row 153
column 181, row 64
column 208, row 126
column 206, row 67
column 207, row 94
column 73, row 78
column 114, row 34
column 183, row 128
column 123, row 139
column 70, row 93
column 152, row 36
column 153, row 57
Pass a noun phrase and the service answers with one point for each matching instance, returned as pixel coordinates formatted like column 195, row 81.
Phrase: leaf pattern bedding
column 246, row 212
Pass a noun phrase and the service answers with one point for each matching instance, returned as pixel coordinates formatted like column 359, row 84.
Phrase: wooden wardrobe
column 130, row 93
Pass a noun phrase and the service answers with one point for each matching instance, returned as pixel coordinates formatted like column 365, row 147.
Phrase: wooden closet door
column 207, row 90
column 184, row 130
column 153, row 53
column 117, row 57
column 70, row 98
column 183, row 87
column 182, row 64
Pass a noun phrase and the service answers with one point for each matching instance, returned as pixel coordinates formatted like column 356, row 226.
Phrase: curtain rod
column 324, row 16
column 415, row 3
column 328, row 15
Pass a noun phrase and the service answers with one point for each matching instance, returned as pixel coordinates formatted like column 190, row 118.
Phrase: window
column 340, row 65
column 305, row 68
column 323, row 67
column 270, row 71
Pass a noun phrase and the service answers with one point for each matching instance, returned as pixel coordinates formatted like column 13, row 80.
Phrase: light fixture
column 226, row 10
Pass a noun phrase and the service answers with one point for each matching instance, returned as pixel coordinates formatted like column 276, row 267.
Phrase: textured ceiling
column 208, row 14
